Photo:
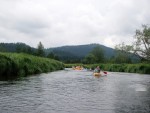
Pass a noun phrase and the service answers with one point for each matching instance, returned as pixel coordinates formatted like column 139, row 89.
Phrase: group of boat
column 77, row 68
column 97, row 74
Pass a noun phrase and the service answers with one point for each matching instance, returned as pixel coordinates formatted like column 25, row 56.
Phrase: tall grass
column 130, row 68
column 20, row 65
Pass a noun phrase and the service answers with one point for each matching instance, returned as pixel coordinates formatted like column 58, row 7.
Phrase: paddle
column 104, row 72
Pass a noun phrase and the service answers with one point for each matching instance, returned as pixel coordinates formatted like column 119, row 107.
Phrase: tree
column 98, row 52
column 40, row 50
column 89, row 59
column 141, row 46
column 95, row 56
column 21, row 48
column 2, row 49
column 30, row 51
column 123, row 53
column 52, row 56
column 123, row 48
column 122, row 58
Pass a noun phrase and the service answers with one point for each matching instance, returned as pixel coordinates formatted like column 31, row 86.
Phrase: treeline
column 16, row 47
column 129, row 68
column 14, row 65
column 97, row 55
column 23, row 48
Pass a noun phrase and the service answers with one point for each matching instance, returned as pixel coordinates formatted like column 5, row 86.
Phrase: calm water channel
column 70, row 91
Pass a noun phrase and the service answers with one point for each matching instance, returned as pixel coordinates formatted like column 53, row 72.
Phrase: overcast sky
column 72, row 22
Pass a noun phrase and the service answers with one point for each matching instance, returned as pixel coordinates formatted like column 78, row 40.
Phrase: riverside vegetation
column 17, row 65
column 130, row 68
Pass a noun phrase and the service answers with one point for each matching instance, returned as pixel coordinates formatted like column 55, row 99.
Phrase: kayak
column 97, row 74
column 77, row 68
column 102, row 73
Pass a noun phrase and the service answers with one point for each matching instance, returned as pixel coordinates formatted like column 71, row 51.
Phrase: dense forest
column 71, row 54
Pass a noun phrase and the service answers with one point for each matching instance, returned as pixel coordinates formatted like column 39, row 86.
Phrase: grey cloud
column 32, row 27
column 65, row 22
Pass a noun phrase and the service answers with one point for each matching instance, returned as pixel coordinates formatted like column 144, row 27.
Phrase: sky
column 72, row 22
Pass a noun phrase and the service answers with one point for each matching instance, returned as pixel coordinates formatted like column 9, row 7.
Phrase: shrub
column 20, row 65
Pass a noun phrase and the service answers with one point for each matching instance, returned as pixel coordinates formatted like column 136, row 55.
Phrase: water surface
column 70, row 91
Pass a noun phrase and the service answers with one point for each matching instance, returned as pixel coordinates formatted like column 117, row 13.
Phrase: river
column 70, row 91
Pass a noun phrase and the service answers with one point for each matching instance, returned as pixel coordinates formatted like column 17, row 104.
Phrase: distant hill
column 78, row 51
column 15, row 47
column 65, row 53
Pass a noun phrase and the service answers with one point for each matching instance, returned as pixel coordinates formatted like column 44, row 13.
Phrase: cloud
column 71, row 22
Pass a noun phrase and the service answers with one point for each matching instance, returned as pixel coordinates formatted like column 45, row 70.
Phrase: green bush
column 20, row 65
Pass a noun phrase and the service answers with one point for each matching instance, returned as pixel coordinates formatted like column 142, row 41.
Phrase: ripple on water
column 70, row 91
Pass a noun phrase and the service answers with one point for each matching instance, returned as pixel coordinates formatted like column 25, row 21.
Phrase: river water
column 70, row 91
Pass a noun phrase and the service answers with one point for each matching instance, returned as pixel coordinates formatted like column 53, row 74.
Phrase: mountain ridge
column 81, row 51
column 68, row 52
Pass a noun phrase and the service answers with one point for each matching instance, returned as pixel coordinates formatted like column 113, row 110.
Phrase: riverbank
column 130, row 68
column 14, row 65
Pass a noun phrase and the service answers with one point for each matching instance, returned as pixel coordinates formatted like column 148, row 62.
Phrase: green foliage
column 98, row 52
column 141, row 45
column 95, row 56
column 123, row 54
column 2, row 49
column 16, row 47
column 89, row 59
column 122, row 57
column 52, row 56
column 76, row 54
column 19, row 65
column 24, row 49
column 130, row 68
column 7, row 67
column 40, row 50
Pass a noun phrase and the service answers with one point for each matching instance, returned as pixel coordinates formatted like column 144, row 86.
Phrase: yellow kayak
column 97, row 74
column 77, row 68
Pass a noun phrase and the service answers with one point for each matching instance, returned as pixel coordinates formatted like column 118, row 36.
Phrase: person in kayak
column 97, row 69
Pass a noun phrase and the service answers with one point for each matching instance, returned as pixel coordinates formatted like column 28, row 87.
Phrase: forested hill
column 16, row 47
column 79, row 51
column 76, row 52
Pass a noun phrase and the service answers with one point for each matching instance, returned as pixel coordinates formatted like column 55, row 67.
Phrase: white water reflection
column 140, row 87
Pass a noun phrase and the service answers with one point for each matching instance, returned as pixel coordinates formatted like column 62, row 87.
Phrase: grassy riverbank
column 130, row 68
column 14, row 65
